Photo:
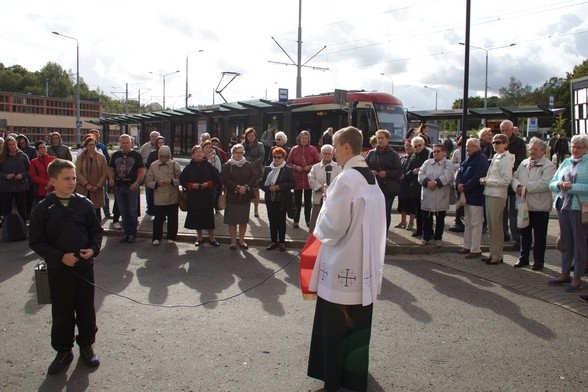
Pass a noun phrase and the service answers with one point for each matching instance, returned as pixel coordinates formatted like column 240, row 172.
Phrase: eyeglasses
column 237, row 152
column 278, row 157
column 418, row 145
column 437, row 151
column 496, row 142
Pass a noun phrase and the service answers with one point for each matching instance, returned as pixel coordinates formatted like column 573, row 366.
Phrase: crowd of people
column 498, row 176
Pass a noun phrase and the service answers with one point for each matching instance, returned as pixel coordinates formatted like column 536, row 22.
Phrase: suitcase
column 42, row 283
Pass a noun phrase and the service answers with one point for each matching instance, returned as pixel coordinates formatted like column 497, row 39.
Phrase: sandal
column 243, row 246
column 400, row 225
column 214, row 243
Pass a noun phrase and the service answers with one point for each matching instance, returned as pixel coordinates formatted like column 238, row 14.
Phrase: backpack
column 13, row 228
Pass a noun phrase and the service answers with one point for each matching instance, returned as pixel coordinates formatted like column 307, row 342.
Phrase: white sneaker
column 117, row 225
column 171, row 241
column 155, row 242
column 152, row 218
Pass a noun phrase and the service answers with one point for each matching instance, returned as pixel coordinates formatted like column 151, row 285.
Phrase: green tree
column 515, row 94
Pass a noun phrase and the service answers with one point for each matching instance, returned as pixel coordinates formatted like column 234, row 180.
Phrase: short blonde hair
column 417, row 139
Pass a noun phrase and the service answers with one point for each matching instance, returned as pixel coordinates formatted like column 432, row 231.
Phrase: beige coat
column 91, row 171
column 168, row 194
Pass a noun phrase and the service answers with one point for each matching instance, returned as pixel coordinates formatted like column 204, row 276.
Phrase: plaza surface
column 175, row 317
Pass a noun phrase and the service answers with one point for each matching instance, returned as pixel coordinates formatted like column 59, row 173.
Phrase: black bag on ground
column 13, row 228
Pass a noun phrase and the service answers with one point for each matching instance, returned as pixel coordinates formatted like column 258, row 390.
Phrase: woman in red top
column 38, row 171
column 300, row 159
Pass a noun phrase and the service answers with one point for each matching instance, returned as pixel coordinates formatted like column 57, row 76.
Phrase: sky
column 392, row 46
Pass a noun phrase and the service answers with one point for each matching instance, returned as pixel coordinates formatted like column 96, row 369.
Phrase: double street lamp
column 163, row 76
column 78, row 121
column 486, row 81
column 433, row 88
column 194, row 51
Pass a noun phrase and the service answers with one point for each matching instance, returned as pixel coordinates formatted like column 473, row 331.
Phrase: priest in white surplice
column 347, row 275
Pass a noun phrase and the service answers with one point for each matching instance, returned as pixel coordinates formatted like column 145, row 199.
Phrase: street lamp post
column 391, row 81
column 433, row 88
column 78, row 121
column 163, row 76
column 195, row 51
column 486, row 79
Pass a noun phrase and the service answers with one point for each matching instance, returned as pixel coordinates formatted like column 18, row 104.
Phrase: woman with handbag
column 436, row 177
column 200, row 179
column 570, row 182
column 91, row 171
column 163, row 177
column 496, row 185
column 405, row 204
column 277, row 182
column 532, row 179
column 385, row 164
column 301, row 158
column 239, row 179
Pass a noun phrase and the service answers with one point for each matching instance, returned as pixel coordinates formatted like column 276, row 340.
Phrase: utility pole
column 299, row 64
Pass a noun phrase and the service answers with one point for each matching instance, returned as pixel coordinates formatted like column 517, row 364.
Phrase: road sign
column 283, row 95
column 79, row 124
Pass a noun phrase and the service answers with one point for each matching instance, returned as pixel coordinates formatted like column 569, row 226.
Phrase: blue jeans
column 573, row 242
column 127, row 205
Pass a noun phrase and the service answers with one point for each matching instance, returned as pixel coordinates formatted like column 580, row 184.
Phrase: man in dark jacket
column 468, row 181
column 65, row 231
column 385, row 165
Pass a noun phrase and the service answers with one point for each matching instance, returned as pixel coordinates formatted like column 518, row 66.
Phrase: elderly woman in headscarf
column 163, row 177
column 239, row 179
column 570, row 182
column 277, row 183
column 200, row 179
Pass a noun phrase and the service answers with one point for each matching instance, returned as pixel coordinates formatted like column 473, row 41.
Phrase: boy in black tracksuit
column 65, row 231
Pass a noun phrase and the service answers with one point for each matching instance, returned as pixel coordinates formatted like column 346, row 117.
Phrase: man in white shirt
column 347, row 275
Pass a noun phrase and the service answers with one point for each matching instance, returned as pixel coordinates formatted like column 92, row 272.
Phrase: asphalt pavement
column 174, row 317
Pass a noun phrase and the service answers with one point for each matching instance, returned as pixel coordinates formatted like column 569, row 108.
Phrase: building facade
column 38, row 116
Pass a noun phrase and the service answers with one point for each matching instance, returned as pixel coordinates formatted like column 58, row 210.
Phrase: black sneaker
column 583, row 298
column 131, row 239
column 61, row 361
column 89, row 356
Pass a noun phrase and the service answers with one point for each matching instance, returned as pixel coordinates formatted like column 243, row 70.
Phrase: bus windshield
column 393, row 119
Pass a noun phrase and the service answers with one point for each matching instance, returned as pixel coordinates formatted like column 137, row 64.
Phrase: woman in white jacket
column 532, row 177
column 496, row 185
column 436, row 177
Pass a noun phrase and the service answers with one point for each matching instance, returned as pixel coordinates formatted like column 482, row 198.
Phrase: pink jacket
column 303, row 156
